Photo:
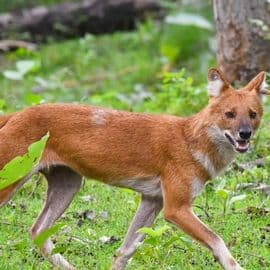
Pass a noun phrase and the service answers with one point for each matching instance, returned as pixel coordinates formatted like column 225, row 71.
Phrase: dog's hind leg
column 63, row 184
column 8, row 192
column 147, row 211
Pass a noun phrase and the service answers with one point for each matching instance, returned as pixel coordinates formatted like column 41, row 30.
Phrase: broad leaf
column 2, row 104
column 237, row 198
column 60, row 249
column 33, row 99
column 189, row 19
column 43, row 236
column 13, row 75
column 22, row 165
column 154, row 232
column 147, row 231
column 25, row 66
column 223, row 193
column 187, row 241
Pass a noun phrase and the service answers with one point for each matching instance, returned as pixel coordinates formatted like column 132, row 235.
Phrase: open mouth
column 240, row 146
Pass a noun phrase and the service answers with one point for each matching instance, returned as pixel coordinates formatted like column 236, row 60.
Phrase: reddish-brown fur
column 114, row 146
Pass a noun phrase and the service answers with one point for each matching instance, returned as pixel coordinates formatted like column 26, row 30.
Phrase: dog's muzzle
column 240, row 145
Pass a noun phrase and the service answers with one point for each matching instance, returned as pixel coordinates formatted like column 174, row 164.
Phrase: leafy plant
column 23, row 67
column 177, row 95
column 228, row 196
column 44, row 235
column 20, row 166
column 153, row 234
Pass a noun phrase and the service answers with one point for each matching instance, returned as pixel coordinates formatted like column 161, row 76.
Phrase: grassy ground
column 123, row 71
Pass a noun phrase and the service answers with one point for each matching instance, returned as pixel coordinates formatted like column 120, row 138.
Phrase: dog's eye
column 230, row 114
column 252, row 115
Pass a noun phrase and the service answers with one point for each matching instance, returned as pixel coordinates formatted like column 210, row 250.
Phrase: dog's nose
column 245, row 134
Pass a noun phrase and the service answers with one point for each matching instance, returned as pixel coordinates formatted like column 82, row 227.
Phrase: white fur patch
column 206, row 162
column 263, row 89
column 215, row 87
column 224, row 148
column 98, row 117
column 263, row 86
column 224, row 256
column 196, row 187
column 149, row 187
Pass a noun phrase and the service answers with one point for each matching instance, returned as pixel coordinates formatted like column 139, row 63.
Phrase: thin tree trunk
column 77, row 18
column 243, row 50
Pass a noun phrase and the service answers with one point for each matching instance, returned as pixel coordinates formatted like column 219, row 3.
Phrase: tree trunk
column 73, row 19
column 242, row 50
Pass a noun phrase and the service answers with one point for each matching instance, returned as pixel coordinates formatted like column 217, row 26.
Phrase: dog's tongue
column 242, row 146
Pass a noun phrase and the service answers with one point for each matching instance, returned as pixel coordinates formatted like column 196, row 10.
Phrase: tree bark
column 74, row 19
column 242, row 50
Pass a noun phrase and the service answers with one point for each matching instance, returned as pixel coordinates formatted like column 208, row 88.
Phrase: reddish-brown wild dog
column 167, row 159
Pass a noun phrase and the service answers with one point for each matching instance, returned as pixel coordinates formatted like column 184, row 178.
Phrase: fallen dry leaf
column 104, row 215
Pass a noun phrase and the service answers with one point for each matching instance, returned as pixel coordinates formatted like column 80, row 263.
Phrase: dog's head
column 235, row 114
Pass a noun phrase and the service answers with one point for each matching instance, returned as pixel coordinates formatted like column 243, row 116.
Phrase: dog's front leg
column 177, row 195
column 147, row 211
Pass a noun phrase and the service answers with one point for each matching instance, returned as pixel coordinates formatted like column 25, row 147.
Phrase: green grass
column 243, row 232
column 123, row 71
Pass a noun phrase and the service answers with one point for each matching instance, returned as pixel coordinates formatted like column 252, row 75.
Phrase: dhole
column 167, row 159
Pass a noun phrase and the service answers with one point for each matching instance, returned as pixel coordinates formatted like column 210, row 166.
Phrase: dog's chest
column 197, row 187
column 213, row 165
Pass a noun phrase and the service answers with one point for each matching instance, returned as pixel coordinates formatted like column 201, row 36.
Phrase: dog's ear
column 258, row 83
column 216, row 82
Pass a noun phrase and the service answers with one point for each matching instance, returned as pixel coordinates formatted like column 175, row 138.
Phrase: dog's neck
column 208, row 145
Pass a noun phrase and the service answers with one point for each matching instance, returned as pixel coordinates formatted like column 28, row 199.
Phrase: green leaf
column 21, row 245
column 223, row 193
column 162, row 230
column 13, row 75
column 147, row 231
column 154, row 232
column 35, row 149
column 237, row 198
column 33, row 99
column 25, row 66
column 60, row 249
column 43, row 236
column 221, row 184
column 20, row 166
column 186, row 240
column 127, row 190
column 189, row 19
column 170, row 51
column 2, row 104
column 151, row 241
